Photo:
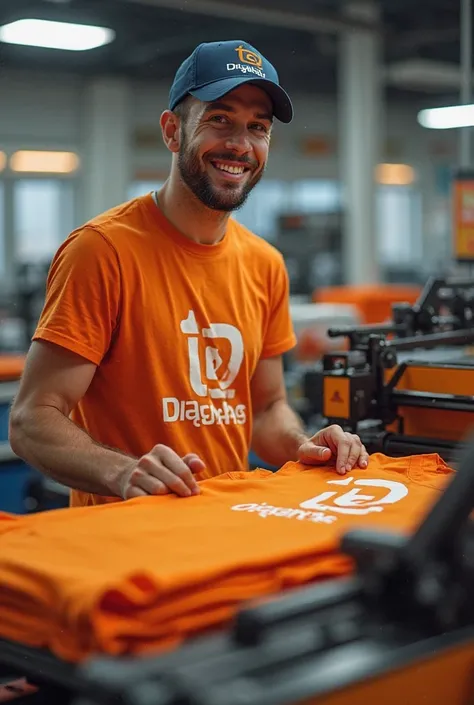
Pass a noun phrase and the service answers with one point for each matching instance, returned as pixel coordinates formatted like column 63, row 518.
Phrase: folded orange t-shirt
column 145, row 574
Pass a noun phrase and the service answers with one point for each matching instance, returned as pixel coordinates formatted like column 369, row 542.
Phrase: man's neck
column 189, row 215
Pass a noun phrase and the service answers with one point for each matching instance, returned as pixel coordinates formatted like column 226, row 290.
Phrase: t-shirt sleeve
column 280, row 336
column 83, row 291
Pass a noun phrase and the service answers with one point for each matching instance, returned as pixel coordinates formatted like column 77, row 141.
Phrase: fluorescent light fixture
column 3, row 161
column 395, row 174
column 55, row 35
column 44, row 162
column 447, row 118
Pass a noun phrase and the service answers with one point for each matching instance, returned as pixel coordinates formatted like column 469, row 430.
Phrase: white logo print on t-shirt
column 209, row 377
column 351, row 502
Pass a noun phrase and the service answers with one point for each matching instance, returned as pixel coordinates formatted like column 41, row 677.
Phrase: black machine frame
column 442, row 318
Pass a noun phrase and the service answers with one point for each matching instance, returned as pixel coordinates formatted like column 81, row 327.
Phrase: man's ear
column 170, row 129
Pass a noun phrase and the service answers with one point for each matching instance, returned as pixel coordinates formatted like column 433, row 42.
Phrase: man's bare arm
column 278, row 432
column 279, row 435
column 41, row 433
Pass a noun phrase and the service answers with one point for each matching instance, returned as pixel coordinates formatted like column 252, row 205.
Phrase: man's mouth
column 235, row 169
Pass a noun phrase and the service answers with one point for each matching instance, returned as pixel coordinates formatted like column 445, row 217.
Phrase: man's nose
column 239, row 141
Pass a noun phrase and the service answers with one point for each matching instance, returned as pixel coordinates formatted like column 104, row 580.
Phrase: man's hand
column 161, row 471
column 332, row 442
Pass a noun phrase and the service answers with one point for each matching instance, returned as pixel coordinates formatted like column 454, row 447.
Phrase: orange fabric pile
column 144, row 575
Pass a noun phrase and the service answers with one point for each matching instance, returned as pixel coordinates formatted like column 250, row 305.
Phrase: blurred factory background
column 357, row 194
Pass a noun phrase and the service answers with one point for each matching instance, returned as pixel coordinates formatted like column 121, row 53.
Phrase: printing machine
column 401, row 629
column 405, row 386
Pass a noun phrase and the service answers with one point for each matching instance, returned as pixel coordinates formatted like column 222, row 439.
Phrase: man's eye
column 219, row 118
column 259, row 127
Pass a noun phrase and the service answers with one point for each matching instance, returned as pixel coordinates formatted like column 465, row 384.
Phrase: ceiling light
column 394, row 174
column 447, row 118
column 55, row 35
column 45, row 162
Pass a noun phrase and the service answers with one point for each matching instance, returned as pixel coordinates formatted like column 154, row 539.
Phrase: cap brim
column 282, row 106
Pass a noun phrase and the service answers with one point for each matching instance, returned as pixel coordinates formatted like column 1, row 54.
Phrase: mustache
column 231, row 157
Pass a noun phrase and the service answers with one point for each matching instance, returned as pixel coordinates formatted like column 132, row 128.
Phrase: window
column 43, row 217
column 399, row 225
column 271, row 198
column 315, row 196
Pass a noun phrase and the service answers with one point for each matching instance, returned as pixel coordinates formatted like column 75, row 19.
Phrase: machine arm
column 443, row 304
column 364, row 383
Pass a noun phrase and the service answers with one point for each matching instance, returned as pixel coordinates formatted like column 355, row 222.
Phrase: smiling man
column 157, row 359
column 237, row 171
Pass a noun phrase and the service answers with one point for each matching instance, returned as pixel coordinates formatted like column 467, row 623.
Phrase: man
column 157, row 357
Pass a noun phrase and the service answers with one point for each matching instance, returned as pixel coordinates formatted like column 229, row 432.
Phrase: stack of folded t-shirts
column 144, row 575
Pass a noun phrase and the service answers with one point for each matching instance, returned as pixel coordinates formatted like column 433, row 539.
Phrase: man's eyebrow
column 219, row 105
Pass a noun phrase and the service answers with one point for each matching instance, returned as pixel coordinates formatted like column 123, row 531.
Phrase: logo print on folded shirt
column 320, row 509
column 353, row 502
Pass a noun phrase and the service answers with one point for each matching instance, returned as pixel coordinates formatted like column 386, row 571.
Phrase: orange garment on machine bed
column 145, row 574
column 374, row 301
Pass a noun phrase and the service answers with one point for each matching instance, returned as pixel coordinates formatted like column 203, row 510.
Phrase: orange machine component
column 313, row 344
column 436, row 422
column 11, row 367
column 373, row 301
column 336, row 396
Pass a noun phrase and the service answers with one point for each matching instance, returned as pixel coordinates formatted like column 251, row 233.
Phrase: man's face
column 224, row 147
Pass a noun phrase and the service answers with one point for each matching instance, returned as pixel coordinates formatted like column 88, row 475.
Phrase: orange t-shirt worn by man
column 130, row 293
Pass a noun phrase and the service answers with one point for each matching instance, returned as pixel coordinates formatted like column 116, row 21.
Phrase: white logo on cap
column 243, row 68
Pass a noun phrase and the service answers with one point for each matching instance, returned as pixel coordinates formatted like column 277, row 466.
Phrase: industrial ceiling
column 420, row 39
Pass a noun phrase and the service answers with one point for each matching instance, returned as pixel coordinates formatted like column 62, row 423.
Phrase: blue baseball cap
column 215, row 68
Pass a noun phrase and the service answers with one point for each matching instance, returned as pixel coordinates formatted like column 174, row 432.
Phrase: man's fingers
column 143, row 481
column 194, row 462
column 153, row 466
column 363, row 458
column 181, row 469
column 311, row 454
column 343, row 450
column 347, row 448
column 135, row 491
column 162, row 471
column 331, row 436
column 175, row 483
column 176, row 465
column 354, row 452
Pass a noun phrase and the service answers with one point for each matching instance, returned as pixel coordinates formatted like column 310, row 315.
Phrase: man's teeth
column 230, row 169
